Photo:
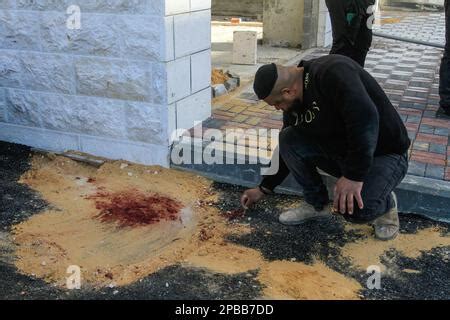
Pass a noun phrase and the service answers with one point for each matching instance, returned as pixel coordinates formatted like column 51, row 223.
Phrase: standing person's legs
column 364, row 38
column 351, row 36
column 337, row 10
column 444, row 85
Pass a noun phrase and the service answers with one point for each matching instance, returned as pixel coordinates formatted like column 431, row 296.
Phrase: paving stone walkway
column 429, row 27
column 408, row 73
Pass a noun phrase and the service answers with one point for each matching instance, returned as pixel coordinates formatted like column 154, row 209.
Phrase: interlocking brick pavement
column 408, row 73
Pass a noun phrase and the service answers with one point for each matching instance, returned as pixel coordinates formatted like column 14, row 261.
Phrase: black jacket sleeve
column 271, row 182
column 359, row 114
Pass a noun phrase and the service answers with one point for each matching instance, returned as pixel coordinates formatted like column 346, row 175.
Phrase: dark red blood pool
column 235, row 214
column 134, row 208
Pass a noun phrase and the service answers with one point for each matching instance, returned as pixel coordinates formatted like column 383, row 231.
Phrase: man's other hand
column 345, row 192
column 250, row 197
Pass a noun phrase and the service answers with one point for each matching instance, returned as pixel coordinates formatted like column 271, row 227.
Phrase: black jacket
column 347, row 113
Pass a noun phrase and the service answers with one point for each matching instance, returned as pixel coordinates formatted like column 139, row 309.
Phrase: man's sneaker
column 387, row 226
column 301, row 214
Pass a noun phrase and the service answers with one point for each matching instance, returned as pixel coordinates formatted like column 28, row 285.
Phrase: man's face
column 283, row 101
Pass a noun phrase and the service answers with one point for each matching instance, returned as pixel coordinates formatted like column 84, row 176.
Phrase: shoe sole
column 387, row 239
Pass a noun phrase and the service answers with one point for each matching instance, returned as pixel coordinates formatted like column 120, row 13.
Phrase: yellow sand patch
column 367, row 252
column 69, row 234
column 290, row 280
column 226, row 258
column 218, row 76
column 390, row 20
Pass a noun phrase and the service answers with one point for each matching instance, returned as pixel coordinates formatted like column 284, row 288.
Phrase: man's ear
column 285, row 91
column 288, row 91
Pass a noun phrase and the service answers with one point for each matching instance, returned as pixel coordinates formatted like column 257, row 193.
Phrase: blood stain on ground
column 134, row 208
column 234, row 214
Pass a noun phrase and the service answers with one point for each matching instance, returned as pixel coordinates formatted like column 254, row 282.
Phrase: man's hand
column 250, row 197
column 345, row 192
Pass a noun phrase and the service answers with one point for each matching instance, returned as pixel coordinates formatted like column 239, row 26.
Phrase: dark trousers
column 352, row 39
column 303, row 156
column 444, row 85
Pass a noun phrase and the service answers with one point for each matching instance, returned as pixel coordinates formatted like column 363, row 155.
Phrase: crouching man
column 337, row 118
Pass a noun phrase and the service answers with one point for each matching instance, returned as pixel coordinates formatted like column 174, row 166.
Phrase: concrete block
column 171, row 123
column 22, row 108
column 125, row 150
column 231, row 84
column 2, row 111
column 177, row 6
column 82, row 115
column 19, row 30
column 103, row 6
column 197, row 5
column 145, row 38
column 178, row 79
column 168, row 53
column 200, row 70
column 192, row 32
column 116, row 6
column 50, row 5
column 219, row 90
column 143, row 123
column 245, row 47
column 156, row 7
column 235, row 76
column 324, row 32
column 7, row 4
column 282, row 15
column 10, row 69
column 39, row 138
column 47, row 72
column 119, row 79
column 99, row 34
column 158, row 86
column 196, row 107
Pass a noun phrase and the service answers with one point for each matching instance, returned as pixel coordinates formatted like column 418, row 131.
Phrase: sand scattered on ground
column 390, row 20
column 70, row 234
column 292, row 280
column 367, row 252
column 226, row 258
column 218, row 76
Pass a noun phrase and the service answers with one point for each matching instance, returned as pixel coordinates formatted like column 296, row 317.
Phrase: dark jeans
column 350, row 39
column 302, row 156
column 444, row 85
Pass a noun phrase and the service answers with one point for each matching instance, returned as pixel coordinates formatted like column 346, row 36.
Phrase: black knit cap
column 265, row 80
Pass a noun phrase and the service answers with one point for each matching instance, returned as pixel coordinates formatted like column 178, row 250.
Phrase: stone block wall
column 316, row 25
column 324, row 34
column 117, row 86
column 239, row 8
column 283, row 23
